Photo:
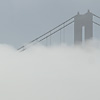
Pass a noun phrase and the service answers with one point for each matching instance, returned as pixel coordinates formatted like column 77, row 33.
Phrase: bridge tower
column 83, row 23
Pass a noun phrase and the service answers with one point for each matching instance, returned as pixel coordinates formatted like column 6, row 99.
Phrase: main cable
column 95, row 15
column 47, row 32
column 96, row 23
column 54, row 32
column 23, row 49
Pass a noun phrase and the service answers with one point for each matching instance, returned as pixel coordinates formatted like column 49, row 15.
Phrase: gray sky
column 23, row 20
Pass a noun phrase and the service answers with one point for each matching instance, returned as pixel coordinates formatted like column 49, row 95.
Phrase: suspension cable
column 96, row 23
column 54, row 32
column 95, row 15
column 23, row 48
column 47, row 32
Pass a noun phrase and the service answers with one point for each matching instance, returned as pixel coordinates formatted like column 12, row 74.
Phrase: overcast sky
column 23, row 20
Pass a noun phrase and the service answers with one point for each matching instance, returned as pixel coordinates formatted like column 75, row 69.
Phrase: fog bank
column 50, row 73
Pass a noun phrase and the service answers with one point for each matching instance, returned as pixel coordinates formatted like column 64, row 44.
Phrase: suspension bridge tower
column 83, row 30
column 83, row 26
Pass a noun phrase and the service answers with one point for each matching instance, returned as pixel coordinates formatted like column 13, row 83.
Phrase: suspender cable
column 23, row 49
column 54, row 32
column 52, row 29
column 47, row 32
column 50, row 39
column 64, row 34
column 60, row 36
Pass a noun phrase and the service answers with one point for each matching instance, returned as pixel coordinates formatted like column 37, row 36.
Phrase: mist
column 50, row 73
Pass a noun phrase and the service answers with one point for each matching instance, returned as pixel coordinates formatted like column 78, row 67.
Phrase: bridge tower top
column 80, row 21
